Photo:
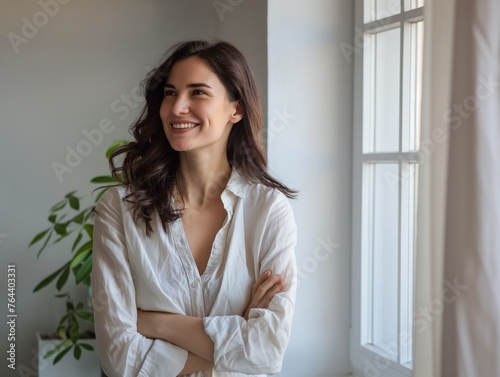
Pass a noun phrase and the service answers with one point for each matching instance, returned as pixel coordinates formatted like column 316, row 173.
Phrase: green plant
column 68, row 221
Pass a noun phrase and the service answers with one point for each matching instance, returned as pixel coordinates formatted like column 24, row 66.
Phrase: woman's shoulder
column 112, row 197
column 264, row 198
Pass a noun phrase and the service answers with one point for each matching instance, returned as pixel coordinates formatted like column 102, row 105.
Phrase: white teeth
column 183, row 125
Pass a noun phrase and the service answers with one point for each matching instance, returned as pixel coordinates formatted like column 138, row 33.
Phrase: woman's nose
column 181, row 105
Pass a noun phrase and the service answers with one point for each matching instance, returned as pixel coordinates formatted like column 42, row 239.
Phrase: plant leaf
column 38, row 237
column 77, row 259
column 72, row 193
column 58, row 206
column 86, row 346
column 101, row 193
column 53, row 218
column 86, row 280
column 74, row 331
column 56, row 348
column 45, row 243
column 63, row 278
column 85, row 270
column 90, row 230
column 74, row 202
column 89, row 214
column 86, row 246
column 87, row 316
column 77, row 352
column 49, row 278
column 77, row 241
column 103, row 179
column 61, row 229
column 63, row 320
column 61, row 355
column 78, row 219
column 61, row 331
column 63, row 236
column 115, row 144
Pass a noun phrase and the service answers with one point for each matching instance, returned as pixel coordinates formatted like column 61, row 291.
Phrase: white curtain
column 457, row 309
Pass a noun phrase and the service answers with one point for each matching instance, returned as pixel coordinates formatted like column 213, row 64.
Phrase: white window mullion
column 401, row 135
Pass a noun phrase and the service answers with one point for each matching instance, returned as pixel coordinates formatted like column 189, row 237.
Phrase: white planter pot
column 87, row 366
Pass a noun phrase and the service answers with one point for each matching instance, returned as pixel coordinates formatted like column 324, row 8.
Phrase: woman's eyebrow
column 193, row 85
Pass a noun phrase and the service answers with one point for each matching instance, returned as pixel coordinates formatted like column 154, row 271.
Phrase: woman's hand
column 263, row 291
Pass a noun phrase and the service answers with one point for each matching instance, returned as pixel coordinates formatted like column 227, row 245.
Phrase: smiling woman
column 194, row 251
column 199, row 114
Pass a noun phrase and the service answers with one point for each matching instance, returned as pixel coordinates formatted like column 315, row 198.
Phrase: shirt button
column 194, row 284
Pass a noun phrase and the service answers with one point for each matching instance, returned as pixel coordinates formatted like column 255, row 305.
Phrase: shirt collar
column 236, row 184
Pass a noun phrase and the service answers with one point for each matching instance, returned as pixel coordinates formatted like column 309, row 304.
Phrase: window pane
column 409, row 182
column 419, row 54
column 412, row 4
column 380, row 9
column 381, row 123
column 383, row 254
column 412, row 85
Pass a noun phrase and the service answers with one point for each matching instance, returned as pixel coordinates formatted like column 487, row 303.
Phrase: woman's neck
column 202, row 178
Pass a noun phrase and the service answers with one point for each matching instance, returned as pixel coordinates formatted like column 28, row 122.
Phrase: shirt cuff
column 173, row 359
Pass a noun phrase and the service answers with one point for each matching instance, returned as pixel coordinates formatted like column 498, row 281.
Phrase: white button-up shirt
column 158, row 272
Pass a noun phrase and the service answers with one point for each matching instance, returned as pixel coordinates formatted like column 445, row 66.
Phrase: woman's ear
column 237, row 114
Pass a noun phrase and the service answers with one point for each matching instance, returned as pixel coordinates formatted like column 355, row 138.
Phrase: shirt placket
column 192, row 274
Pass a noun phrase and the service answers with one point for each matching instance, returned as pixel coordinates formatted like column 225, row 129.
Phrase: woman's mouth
column 178, row 126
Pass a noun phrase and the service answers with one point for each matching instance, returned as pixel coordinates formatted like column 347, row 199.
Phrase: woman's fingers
column 267, row 285
column 266, row 275
column 266, row 299
column 263, row 291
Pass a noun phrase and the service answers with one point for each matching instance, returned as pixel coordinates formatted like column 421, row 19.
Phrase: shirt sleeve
column 258, row 345
column 123, row 351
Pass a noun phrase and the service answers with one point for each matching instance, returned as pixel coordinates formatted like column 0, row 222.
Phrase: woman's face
column 196, row 112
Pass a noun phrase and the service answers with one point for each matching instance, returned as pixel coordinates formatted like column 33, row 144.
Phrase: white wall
column 63, row 81
column 310, row 126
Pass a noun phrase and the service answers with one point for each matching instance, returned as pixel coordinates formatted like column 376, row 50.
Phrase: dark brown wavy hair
column 150, row 165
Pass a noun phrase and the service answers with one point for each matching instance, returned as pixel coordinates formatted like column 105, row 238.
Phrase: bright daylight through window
column 388, row 70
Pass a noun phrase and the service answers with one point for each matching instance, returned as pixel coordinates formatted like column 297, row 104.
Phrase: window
column 388, row 82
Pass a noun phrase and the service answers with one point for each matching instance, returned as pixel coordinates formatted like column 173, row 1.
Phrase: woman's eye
column 168, row 93
column 198, row 92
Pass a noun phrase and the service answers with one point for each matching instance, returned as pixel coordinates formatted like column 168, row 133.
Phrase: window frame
column 365, row 357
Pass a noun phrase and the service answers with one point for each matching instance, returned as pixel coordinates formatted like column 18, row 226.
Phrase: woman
column 194, row 270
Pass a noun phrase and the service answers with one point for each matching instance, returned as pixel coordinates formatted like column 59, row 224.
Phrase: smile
column 183, row 125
